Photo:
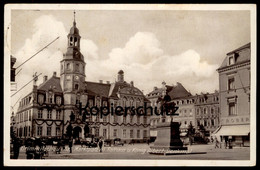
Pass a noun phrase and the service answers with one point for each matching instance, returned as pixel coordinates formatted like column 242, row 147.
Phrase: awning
column 234, row 130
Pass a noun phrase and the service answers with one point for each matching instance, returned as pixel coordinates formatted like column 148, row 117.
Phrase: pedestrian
column 216, row 143
column 100, row 144
column 211, row 139
column 70, row 145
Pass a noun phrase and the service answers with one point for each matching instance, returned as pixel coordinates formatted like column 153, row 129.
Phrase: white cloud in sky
column 141, row 58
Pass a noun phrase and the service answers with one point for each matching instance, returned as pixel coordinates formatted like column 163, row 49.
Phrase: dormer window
column 231, row 60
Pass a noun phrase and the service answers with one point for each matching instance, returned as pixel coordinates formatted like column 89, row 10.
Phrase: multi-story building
column 175, row 92
column 234, row 94
column 186, row 112
column 207, row 111
column 54, row 105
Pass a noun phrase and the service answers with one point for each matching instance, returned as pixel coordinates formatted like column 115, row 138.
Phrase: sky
column 150, row 46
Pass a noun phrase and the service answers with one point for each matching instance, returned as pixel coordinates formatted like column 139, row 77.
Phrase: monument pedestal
column 168, row 137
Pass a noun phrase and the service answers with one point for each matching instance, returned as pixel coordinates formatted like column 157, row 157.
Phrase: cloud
column 45, row 29
column 145, row 62
column 141, row 58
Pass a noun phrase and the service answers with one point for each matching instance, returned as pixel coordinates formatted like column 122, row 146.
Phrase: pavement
column 141, row 151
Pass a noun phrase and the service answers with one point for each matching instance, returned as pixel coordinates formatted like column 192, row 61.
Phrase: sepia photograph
column 129, row 85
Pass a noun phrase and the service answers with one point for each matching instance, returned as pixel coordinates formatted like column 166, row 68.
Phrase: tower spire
column 74, row 22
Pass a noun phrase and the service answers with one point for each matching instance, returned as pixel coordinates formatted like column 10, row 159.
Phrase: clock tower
column 72, row 73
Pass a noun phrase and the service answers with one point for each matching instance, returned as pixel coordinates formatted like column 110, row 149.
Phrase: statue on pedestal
column 168, row 132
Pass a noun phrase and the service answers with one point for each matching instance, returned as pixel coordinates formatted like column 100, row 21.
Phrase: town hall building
column 52, row 106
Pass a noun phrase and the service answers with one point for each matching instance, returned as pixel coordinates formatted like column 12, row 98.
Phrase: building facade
column 207, row 111
column 234, row 94
column 175, row 92
column 54, row 105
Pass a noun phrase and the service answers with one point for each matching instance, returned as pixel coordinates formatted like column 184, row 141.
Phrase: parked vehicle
column 118, row 141
column 89, row 142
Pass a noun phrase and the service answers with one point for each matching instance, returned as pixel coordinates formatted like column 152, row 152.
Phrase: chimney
column 155, row 88
column 100, row 81
column 132, row 84
column 54, row 74
column 108, row 82
column 45, row 78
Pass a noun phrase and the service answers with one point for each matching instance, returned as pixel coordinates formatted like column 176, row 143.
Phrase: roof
column 159, row 90
column 101, row 89
column 52, row 83
column 115, row 87
column 178, row 91
column 240, row 58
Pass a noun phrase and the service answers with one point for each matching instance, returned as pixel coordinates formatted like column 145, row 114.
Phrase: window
column 39, row 130
column 104, row 118
column 29, row 133
column 98, row 118
column 212, row 122
column 231, row 109
column 205, row 123
column 115, row 133
column 76, row 86
column 145, row 120
column 138, row 119
column 71, row 41
column 97, row 132
column 77, row 67
column 30, row 115
column 49, row 114
column 124, row 119
column 104, row 133
column 49, row 131
column 40, row 98
column 58, row 100
column 131, row 133
column 68, row 65
column 145, row 133
column 212, row 110
column 57, row 131
column 115, row 119
column 58, row 115
column 124, row 133
column 138, row 133
column 231, row 60
column 39, row 114
column 90, row 102
column 131, row 118
column 205, row 111
column 231, row 83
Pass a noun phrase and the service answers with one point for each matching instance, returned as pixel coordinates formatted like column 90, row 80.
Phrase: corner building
column 48, row 109
column 234, row 94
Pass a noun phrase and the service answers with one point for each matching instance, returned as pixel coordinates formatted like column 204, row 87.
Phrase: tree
column 191, row 130
column 72, row 116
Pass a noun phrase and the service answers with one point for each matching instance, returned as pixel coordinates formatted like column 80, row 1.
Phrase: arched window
column 68, row 65
column 205, row 111
column 76, row 86
column 212, row 110
column 76, row 41
column 71, row 41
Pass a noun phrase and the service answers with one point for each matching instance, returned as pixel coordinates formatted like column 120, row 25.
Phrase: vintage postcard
column 130, row 85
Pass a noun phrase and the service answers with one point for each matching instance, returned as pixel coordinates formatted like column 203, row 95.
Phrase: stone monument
column 168, row 132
